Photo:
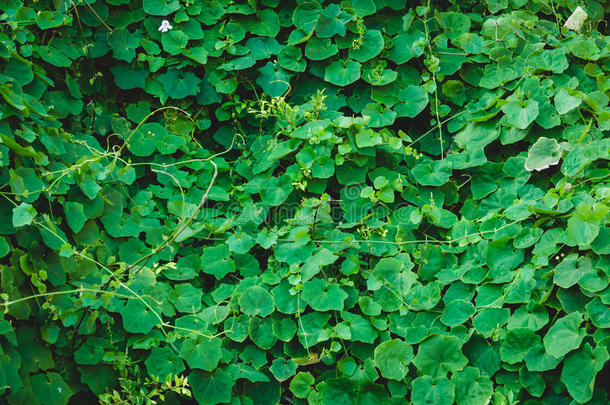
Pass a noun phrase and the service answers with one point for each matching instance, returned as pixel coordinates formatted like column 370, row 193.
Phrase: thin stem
column 53, row 293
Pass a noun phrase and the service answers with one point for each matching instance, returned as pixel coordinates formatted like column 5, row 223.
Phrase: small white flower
column 165, row 26
column 576, row 20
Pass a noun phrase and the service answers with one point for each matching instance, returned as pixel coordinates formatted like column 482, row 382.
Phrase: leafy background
column 361, row 202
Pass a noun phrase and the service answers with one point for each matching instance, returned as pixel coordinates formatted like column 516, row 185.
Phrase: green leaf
column 455, row 24
column 339, row 391
column 363, row 7
column 601, row 244
column 476, row 136
column 439, row 354
column 75, row 215
column 361, row 329
column 274, row 80
column 284, row 329
column 269, row 24
column 394, row 273
column 50, row 389
column 202, row 352
column 124, row 43
column 413, row 101
column 306, row 15
column 432, row 173
column 367, row 138
column 137, row 317
column 342, row 72
column 377, row 76
column 240, row 242
column 516, row 344
column 494, row 78
column 291, row 58
column 527, row 237
column 543, row 154
column 283, row 369
column 127, row 78
column 323, row 297
column 457, row 312
column 554, row 60
column 336, row 236
column 163, row 362
column 91, row 352
column 320, row 49
column 217, row 261
column 260, row 331
column 276, row 190
column 211, row 388
column 580, row 369
column 392, row 358
column 179, row 83
column 51, row 19
column 256, row 301
column 313, row 329
column 537, row 359
column 25, row 183
column 99, row 378
column 451, row 60
column 186, row 298
column 286, row 302
column 585, row 48
column 300, row 385
column 406, row 46
column 565, row 102
column 599, row 313
column 23, row 215
column 429, row 390
column 519, row 115
column 502, row 257
column 490, row 319
column 174, row 42
column 378, row 115
column 368, row 46
column 496, row 5
column 160, row 7
column 333, row 21
column 584, row 224
column 565, row 335
column 570, row 270
column 471, row 388
column 5, row 248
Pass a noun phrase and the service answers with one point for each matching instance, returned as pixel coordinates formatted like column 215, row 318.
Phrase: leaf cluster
column 366, row 201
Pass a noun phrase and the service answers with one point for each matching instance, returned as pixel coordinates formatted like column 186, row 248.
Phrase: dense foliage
column 365, row 202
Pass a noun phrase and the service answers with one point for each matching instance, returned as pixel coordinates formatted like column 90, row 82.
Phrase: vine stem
column 165, row 165
column 134, row 295
column 77, row 290
column 185, row 224
column 146, row 119
column 438, row 117
column 406, row 242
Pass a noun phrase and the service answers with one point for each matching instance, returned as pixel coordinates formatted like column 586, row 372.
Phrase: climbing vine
column 366, row 201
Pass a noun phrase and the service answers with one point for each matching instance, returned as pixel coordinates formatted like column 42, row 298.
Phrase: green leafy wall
column 365, row 202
